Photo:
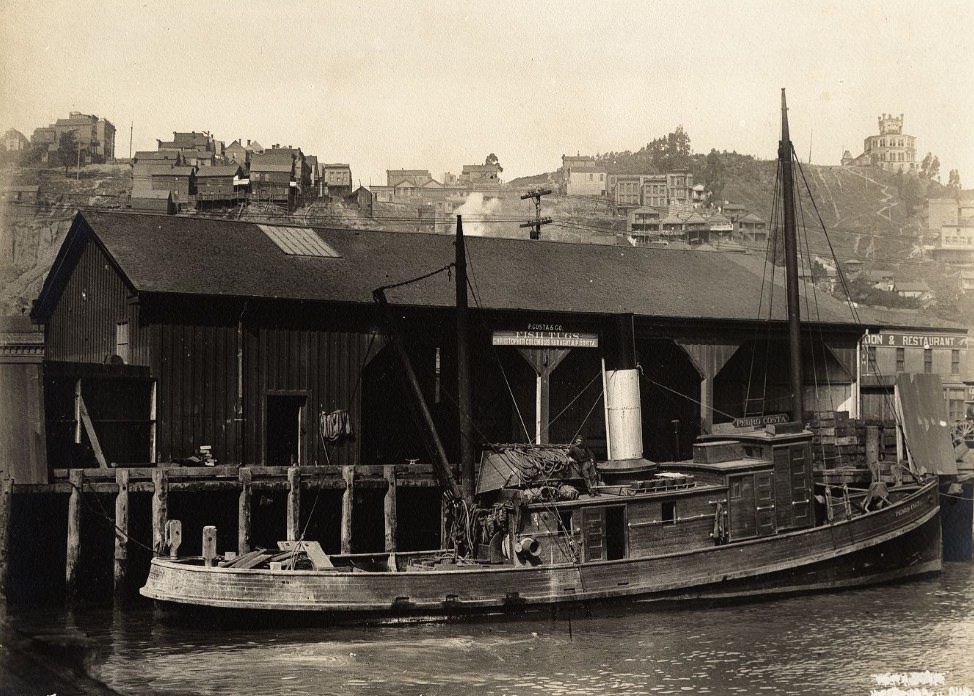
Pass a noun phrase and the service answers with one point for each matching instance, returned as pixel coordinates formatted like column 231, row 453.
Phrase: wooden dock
column 297, row 483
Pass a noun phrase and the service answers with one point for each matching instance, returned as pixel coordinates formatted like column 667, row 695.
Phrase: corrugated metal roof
column 197, row 256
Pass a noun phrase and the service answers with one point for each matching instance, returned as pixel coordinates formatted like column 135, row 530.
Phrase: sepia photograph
column 425, row 348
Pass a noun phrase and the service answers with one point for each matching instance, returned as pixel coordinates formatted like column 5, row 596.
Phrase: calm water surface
column 822, row 644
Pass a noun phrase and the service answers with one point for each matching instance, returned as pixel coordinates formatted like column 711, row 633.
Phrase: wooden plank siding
column 95, row 299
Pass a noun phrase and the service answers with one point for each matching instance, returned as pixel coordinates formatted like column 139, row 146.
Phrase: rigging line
column 587, row 415
column 828, row 239
column 447, row 267
column 475, row 291
column 811, row 289
column 577, row 397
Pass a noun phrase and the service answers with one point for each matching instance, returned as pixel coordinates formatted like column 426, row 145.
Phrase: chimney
column 248, row 142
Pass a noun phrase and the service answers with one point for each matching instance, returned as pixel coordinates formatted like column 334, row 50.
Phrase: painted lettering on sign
column 905, row 340
column 758, row 421
column 545, row 338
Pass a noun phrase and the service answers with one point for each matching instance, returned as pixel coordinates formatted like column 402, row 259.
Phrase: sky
column 436, row 85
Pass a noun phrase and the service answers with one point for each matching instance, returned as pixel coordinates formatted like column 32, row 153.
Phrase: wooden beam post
column 293, row 503
column 243, row 511
column 76, row 478
column 90, row 430
column 209, row 545
column 121, row 530
column 6, row 498
column 389, row 507
column 348, row 503
column 160, row 510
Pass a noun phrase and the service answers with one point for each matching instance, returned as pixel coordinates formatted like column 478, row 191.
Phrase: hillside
column 860, row 209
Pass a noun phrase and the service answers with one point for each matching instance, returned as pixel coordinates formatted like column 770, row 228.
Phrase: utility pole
column 77, row 175
column 131, row 131
column 536, row 194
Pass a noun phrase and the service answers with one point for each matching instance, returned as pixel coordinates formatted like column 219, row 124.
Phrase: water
column 845, row 643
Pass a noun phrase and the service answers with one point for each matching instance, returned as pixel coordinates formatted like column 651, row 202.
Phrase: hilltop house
column 94, row 137
column 892, row 149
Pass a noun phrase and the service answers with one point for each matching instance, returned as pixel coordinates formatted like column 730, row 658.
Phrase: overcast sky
column 435, row 85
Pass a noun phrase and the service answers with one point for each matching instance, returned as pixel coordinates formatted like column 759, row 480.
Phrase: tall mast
column 463, row 369
column 791, row 264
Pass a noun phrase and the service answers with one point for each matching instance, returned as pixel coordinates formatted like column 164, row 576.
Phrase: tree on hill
column 953, row 180
column 713, row 179
column 67, row 149
column 492, row 159
column 912, row 194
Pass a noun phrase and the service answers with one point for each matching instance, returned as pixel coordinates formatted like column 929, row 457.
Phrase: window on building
column 900, row 359
column 955, row 362
column 871, row 360
column 928, row 360
column 122, row 341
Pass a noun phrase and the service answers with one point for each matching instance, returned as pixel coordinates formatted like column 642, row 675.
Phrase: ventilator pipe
column 528, row 546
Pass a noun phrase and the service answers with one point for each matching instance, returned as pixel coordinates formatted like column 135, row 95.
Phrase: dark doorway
column 669, row 392
column 615, row 532
column 285, row 415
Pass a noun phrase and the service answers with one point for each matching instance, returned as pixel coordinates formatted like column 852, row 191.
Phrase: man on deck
column 583, row 456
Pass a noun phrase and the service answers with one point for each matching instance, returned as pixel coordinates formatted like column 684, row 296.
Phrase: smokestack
column 622, row 403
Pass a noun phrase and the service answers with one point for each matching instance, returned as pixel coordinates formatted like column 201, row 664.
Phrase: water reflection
column 830, row 643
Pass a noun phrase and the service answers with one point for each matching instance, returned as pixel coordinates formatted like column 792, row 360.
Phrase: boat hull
column 893, row 544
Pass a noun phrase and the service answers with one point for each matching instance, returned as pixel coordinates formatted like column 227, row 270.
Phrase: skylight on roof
column 299, row 241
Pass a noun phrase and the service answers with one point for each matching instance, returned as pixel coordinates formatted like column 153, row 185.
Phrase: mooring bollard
column 209, row 545
column 174, row 536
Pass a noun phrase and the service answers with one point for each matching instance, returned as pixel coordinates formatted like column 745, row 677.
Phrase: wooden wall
column 95, row 298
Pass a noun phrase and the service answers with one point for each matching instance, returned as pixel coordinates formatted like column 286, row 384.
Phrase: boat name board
column 545, row 338
column 910, row 340
column 758, row 421
column 911, row 507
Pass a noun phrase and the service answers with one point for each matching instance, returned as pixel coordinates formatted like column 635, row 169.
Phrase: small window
column 955, row 362
column 669, row 512
column 900, row 359
column 871, row 359
column 122, row 341
column 928, row 360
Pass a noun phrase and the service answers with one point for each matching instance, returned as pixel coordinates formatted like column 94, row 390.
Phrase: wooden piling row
column 165, row 538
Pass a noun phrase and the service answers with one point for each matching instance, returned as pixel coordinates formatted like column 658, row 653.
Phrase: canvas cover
column 925, row 425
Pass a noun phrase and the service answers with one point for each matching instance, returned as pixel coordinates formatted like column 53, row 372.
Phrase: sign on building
column 545, row 336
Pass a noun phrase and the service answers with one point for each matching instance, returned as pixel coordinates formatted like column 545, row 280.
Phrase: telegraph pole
column 536, row 194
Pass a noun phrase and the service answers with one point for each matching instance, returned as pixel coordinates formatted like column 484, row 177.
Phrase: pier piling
column 160, row 510
column 121, row 530
column 209, row 545
column 293, row 503
column 6, row 499
column 348, row 503
column 389, row 508
column 76, row 479
column 243, row 511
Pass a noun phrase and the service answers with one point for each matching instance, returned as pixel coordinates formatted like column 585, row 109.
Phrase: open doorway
column 285, row 428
